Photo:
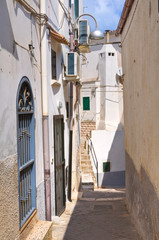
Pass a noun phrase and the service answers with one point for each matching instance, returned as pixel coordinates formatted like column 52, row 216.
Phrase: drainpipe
column 70, row 121
column 45, row 115
column 70, row 141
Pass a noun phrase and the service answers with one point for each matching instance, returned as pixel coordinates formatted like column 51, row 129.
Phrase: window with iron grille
column 26, row 155
column 53, row 64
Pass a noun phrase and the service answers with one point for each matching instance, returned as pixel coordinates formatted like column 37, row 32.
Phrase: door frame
column 59, row 117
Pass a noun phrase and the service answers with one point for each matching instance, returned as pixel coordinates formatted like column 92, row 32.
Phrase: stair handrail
column 93, row 154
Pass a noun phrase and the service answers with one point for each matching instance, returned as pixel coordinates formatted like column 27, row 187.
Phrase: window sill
column 55, row 83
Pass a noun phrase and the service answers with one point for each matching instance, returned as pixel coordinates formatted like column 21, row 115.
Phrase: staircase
column 88, row 178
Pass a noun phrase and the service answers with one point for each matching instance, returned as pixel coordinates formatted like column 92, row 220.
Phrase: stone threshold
column 34, row 229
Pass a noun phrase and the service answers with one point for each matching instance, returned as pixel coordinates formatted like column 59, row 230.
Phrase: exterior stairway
column 88, row 178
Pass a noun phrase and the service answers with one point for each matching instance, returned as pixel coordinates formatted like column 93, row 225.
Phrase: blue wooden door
column 26, row 151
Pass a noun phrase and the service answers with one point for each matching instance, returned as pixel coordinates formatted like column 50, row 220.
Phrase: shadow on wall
column 7, row 40
column 115, row 176
column 142, row 200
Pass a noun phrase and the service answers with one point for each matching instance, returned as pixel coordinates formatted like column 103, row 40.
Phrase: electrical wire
column 101, row 86
column 105, row 43
column 67, row 14
column 33, row 11
column 21, row 46
column 104, row 91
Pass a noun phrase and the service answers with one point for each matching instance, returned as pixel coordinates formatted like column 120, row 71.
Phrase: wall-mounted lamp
column 59, row 104
column 96, row 34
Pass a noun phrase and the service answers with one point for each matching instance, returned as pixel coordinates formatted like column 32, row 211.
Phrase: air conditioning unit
column 83, row 32
column 72, row 66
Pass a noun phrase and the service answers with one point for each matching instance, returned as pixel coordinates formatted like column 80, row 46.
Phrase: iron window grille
column 26, row 155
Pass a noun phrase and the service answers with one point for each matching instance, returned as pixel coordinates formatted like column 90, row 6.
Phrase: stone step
column 86, row 164
column 87, row 182
column 83, row 152
column 87, row 168
column 87, row 186
column 87, row 171
column 85, row 157
column 42, row 230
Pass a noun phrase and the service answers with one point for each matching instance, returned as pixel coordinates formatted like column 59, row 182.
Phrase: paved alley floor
column 97, row 215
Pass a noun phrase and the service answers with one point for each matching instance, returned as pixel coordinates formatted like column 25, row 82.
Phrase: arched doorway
column 26, row 151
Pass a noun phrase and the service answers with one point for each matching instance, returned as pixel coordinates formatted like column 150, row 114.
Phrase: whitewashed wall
column 15, row 62
column 109, row 147
column 101, row 68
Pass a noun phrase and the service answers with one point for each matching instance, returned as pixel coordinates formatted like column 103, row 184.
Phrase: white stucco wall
column 101, row 69
column 106, row 108
column 15, row 62
column 60, row 92
column 108, row 147
column 18, row 26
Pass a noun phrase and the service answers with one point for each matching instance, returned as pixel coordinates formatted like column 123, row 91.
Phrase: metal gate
column 26, row 156
column 60, row 198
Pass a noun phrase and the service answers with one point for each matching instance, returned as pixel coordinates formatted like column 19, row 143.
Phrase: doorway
column 60, row 199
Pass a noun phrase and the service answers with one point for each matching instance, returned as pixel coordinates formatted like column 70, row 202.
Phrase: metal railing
column 93, row 155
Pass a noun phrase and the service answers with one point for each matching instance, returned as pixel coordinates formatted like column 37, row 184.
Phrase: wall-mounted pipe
column 70, row 122
column 45, row 115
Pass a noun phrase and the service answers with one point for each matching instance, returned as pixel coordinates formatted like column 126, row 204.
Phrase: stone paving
column 97, row 215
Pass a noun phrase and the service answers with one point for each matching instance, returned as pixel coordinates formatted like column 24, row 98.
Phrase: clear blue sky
column 106, row 12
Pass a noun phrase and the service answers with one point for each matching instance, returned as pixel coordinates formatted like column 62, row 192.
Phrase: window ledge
column 55, row 83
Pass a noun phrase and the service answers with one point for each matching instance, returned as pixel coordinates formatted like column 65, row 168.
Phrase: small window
column 86, row 103
column 111, row 54
column 67, row 109
column 106, row 166
column 53, row 63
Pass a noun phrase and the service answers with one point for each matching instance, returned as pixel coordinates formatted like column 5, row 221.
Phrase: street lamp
column 96, row 34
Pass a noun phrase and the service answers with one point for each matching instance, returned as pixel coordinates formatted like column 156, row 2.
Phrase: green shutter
column 106, row 166
column 86, row 103
column 76, row 8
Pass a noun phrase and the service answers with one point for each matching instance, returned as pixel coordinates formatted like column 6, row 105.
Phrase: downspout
column 70, row 122
column 45, row 115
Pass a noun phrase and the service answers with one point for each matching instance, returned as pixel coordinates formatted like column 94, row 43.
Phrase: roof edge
column 124, row 16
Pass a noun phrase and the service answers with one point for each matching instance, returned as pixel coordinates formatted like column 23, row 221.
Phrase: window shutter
column 53, row 63
column 86, row 103
column 76, row 8
column 70, row 3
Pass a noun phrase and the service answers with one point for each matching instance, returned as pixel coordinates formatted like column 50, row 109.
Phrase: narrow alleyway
column 97, row 215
